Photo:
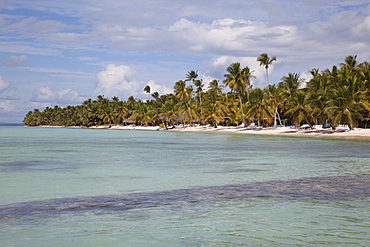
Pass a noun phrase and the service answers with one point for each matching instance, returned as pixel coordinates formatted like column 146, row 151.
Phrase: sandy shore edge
column 357, row 133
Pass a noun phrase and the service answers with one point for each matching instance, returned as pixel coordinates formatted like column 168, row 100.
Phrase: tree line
column 340, row 95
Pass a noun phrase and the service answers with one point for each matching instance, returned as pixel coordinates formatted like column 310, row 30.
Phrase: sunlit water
column 81, row 187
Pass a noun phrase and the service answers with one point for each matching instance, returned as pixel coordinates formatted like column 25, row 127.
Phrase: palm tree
column 191, row 75
column 246, row 76
column 147, row 90
column 214, row 113
column 168, row 113
column 214, row 90
column 257, row 107
column 199, row 90
column 266, row 61
column 273, row 98
column 300, row 108
column 349, row 61
column 343, row 107
column 289, row 85
column 155, row 95
column 238, row 80
column 184, row 93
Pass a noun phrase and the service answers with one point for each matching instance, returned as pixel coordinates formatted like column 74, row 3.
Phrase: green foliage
column 340, row 95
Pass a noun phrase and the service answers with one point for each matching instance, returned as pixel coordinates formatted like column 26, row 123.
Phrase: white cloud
column 217, row 68
column 7, row 106
column 32, row 24
column 68, row 96
column 12, row 97
column 161, row 89
column 52, row 97
column 119, row 80
column 44, row 94
column 27, row 48
column 14, row 61
column 305, row 76
column 3, row 85
column 229, row 35
column 54, row 71
column 87, row 58
column 362, row 29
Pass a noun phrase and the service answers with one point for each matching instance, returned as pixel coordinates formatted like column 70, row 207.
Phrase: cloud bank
column 119, row 80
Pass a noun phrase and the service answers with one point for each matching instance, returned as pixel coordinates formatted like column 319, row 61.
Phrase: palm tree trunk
column 201, row 109
column 278, row 115
column 267, row 76
column 187, row 106
column 241, row 109
column 305, row 117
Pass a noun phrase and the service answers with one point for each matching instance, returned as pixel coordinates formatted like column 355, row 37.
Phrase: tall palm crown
column 191, row 75
column 147, row 90
column 181, row 91
column 234, row 78
column 265, row 60
column 349, row 61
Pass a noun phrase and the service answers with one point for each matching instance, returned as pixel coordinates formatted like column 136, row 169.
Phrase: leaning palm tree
column 265, row 60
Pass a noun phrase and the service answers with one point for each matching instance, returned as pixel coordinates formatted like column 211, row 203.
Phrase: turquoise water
column 83, row 187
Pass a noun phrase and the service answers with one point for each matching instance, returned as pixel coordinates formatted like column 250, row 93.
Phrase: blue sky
column 64, row 52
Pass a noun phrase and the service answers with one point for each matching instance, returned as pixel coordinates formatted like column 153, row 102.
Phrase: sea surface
column 96, row 187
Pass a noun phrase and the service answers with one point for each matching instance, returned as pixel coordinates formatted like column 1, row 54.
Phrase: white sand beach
column 284, row 131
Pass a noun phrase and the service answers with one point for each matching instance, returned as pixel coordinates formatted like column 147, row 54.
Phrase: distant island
column 336, row 96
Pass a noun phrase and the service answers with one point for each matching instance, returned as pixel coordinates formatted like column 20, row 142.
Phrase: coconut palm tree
column 155, row 95
column 214, row 113
column 191, row 75
column 266, row 61
column 168, row 113
column 349, row 61
column 214, row 91
column 290, row 84
column 343, row 107
column 257, row 108
column 246, row 74
column 147, row 90
column 237, row 80
column 184, row 93
column 273, row 99
column 300, row 108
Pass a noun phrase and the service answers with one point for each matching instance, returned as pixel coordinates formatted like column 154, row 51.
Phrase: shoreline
column 357, row 133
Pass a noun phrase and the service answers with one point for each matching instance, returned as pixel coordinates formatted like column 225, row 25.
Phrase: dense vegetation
column 340, row 95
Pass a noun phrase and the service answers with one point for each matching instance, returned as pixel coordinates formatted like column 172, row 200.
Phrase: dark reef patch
column 319, row 188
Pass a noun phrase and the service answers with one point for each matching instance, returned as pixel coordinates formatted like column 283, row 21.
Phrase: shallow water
column 84, row 187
